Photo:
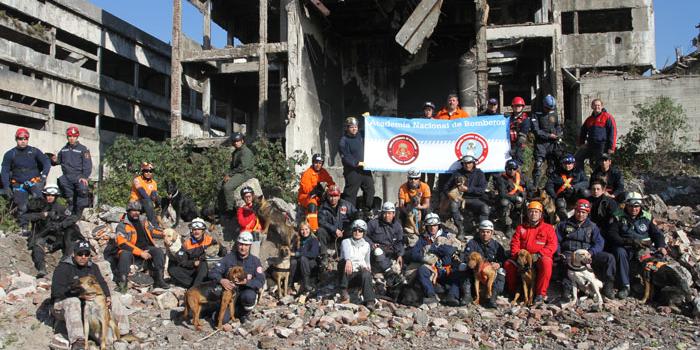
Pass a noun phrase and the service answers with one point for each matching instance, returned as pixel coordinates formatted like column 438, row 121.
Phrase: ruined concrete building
column 294, row 69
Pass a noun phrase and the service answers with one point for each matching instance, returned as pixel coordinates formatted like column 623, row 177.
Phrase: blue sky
column 675, row 22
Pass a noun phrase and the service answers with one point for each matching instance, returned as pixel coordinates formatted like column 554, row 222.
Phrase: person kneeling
column 188, row 267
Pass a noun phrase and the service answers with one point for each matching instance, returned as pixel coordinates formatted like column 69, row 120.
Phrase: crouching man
column 67, row 299
column 493, row 253
column 249, row 288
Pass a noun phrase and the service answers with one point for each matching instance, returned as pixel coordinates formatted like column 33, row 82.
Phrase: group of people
column 407, row 242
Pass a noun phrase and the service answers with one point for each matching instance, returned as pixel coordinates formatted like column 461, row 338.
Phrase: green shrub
column 653, row 143
column 197, row 172
column 7, row 220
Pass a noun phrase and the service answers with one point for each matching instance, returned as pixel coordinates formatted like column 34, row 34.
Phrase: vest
column 576, row 237
column 634, row 229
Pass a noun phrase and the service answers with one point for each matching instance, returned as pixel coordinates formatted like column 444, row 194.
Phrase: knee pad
column 505, row 203
column 538, row 163
column 519, row 201
column 485, row 209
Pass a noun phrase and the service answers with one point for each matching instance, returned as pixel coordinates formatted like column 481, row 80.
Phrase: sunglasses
column 146, row 171
column 22, row 139
column 358, row 230
column 636, row 205
column 83, row 254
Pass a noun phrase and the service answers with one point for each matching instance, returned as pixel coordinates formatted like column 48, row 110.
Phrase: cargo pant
column 70, row 311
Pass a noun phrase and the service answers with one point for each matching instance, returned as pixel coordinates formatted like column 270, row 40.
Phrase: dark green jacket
column 242, row 162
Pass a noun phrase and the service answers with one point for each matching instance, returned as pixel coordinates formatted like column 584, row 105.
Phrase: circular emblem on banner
column 403, row 149
column 473, row 145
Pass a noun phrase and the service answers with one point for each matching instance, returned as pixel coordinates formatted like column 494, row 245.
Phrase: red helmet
column 518, row 101
column 584, row 205
column 21, row 132
column 72, row 131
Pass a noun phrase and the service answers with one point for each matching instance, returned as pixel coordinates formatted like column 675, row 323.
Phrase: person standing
column 352, row 154
column 76, row 165
column 452, row 110
column 598, row 135
column 548, row 132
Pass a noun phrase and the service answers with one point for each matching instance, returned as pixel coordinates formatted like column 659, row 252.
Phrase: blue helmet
column 511, row 165
column 568, row 159
column 550, row 102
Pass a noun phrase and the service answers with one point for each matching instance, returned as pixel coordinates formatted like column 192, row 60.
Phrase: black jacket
column 614, row 181
column 338, row 218
column 308, row 247
column 58, row 219
column 75, row 161
column 67, row 273
column 476, row 182
column 492, row 251
column 556, row 181
column 388, row 235
column 352, row 151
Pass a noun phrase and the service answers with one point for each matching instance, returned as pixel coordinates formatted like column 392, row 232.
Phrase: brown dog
column 550, row 208
column 201, row 294
column 483, row 273
column 273, row 217
column 280, row 270
column 454, row 194
column 97, row 319
column 528, row 276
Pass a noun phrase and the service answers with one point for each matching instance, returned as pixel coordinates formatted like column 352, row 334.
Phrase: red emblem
column 473, row 145
column 403, row 149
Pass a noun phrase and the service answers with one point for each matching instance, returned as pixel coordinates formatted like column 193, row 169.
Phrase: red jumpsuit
column 538, row 239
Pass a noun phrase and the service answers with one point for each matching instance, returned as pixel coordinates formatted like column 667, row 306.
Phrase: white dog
column 582, row 277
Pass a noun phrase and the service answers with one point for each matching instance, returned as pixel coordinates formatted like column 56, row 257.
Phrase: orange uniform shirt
column 457, row 114
column 140, row 182
column 405, row 194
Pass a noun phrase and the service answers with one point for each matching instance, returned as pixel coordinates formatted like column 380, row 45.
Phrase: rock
column 105, row 269
column 286, row 300
column 362, row 330
column 439, row 322
column 289, row 208
column 557, row 335
column 460, row 327
column 283, row 332
column 266, row 343
column 488, row 314
column 173, row 337
column 349, row 306
column 22, row 280
column 622, row 346
column 514, row 323
column 120, row 345
column 512, row 334
column 22, row 292
column 126, row 299
column 421, row 317
column 585, row 345
column 58, row 342
column 252, row 183
column 657, row 206
column 242, row 332
column 460, row 337
column 362, row 315
column 111, row 214
column 166, row 301
column 384, row 333
column 682, row 237
column 2, row 293
column 297, row 323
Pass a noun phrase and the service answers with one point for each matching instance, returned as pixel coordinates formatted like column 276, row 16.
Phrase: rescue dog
column 528, row 276
column 97, row 319
column 274, row 218
column 409, row 218
column 582, row 277
column 183, row 204
column 550, row 208
column 201, row 294
column 453, row 194
column 483, row 273
column 280, row 270
column 667, row 282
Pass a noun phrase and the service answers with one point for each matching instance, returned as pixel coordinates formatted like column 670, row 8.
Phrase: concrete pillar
column 262, row 69
column 176, row 73
column 52, row 50
column 51, row 122
column 206, row 106
column 206, row 41
column 482, row 68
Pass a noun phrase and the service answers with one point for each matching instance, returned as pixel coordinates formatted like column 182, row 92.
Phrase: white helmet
column 245, row 237
column 388, row 206
column 198, row 224
column 432, row 219
column 51, row 189
column 634, row 198
column 413, row 173
column 361, row 224
column 486, row 225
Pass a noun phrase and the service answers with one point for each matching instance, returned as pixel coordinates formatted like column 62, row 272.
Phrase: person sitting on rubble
column 67, row 300
column 475, row 187
column 54, row 227
column 511, row 193
column 385, row 238
column 567, row 185
column 435, row 258
column 579, row 232
column 247, row 219
column 312, row 186
column 631, row 231
column 144, row 190
column 334, row 220
column 241, row 170
column 354, row 265
column 136, row 246
column 304, row 258
column 248, row 289
column 414, row 196
column 493, row 252
column 611, row 176
column 188, row 267
column 602, row 206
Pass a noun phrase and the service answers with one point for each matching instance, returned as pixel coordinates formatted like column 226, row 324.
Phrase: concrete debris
column 167, row 301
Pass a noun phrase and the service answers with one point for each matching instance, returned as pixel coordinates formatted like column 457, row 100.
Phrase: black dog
column 405, row 293
column 183, row 205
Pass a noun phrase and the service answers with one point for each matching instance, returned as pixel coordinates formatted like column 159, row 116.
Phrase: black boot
column 158, row 281
column 122, row 285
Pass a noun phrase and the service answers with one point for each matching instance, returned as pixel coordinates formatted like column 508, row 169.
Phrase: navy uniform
column 352, row 154
column 304, row 260
column 76, row 164
column 335, row 218
column 24, row 172
column 573, row 235
column 248, row 293
column 627, row 235
column 613, row 179
column 491, row 251
column 443, row 266
column 543, row 125
column 182, row 267
column 476, row 187
column 567, row 186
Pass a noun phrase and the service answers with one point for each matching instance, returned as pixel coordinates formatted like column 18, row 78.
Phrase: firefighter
column 144, row 189
column 76, row 165
column 312, row 186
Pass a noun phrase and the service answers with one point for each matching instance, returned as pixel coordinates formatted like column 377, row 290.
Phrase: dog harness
column 483, row 277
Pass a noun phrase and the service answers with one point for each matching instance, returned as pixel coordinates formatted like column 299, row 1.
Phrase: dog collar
column 576, row 268
column 175, row 195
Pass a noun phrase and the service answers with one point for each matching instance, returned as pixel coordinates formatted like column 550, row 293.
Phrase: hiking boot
column 41, row 273
column 344, row 296
column 465, row 300
column 430, row 300
column 450, row 300
column 623, row 293
column 159, row 282
column 609, row 290
column 371, row 305
column 565, row 298
column 490, row 304
column 539, row 300
column 122, row 287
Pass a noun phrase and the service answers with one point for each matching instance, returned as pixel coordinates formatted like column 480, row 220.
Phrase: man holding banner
column 352, row 153
column 452, row 110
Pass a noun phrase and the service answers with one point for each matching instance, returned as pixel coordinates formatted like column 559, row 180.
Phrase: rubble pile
column 155, row 315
